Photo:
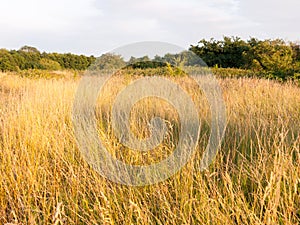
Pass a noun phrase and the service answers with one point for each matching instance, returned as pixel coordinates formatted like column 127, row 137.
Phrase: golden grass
column 44, row 179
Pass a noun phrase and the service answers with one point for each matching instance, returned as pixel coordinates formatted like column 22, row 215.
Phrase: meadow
column 255, row 178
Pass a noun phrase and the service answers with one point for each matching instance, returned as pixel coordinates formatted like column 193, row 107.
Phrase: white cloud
column 275, row 19
column 44, row 15
column 173, row 20
column 95, row 26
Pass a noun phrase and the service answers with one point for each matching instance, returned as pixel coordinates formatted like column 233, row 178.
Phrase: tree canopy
column 28, row 57
column 276, row 58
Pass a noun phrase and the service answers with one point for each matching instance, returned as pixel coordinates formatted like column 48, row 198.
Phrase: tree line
column 275, row 58
column 29, row 57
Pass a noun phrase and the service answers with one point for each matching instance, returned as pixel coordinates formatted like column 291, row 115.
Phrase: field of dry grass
column 44, row 179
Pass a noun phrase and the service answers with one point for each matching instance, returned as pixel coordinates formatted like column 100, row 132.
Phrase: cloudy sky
column 97, row 26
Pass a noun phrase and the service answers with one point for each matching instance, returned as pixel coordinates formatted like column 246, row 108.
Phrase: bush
column 36, row 74
column 48, row 64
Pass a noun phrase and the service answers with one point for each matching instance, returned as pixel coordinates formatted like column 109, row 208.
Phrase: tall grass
column 44, row 179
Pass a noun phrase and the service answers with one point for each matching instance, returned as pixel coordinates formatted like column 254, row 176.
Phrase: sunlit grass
column 44, row 179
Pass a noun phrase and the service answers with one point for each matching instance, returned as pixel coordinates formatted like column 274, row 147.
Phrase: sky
column 94, row 27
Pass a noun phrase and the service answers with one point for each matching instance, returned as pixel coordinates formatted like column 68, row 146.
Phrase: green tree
column 7, row 61
column 31, row 57
column 29, row 49
column 210, row 51
column 273, row 56
column 48, row 64
column 182, row 59
column 230, row 52
column 296, row 57
column 109, row 61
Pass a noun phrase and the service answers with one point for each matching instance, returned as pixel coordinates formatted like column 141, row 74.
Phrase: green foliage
column 175, row 70
column 236, row 73
column 134, row 60
column 36, row 74
column 29, row 57
column 146, row 64
column 109, row 61
column 30, row 49
column 182, row 59
column 274, row 59
column 71, row 61
column 49, row 64
column 152, row 68
column 228, row 53
column 7, row 61
column 296, row 51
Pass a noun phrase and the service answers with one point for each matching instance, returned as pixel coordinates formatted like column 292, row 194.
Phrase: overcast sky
column 97, row 26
